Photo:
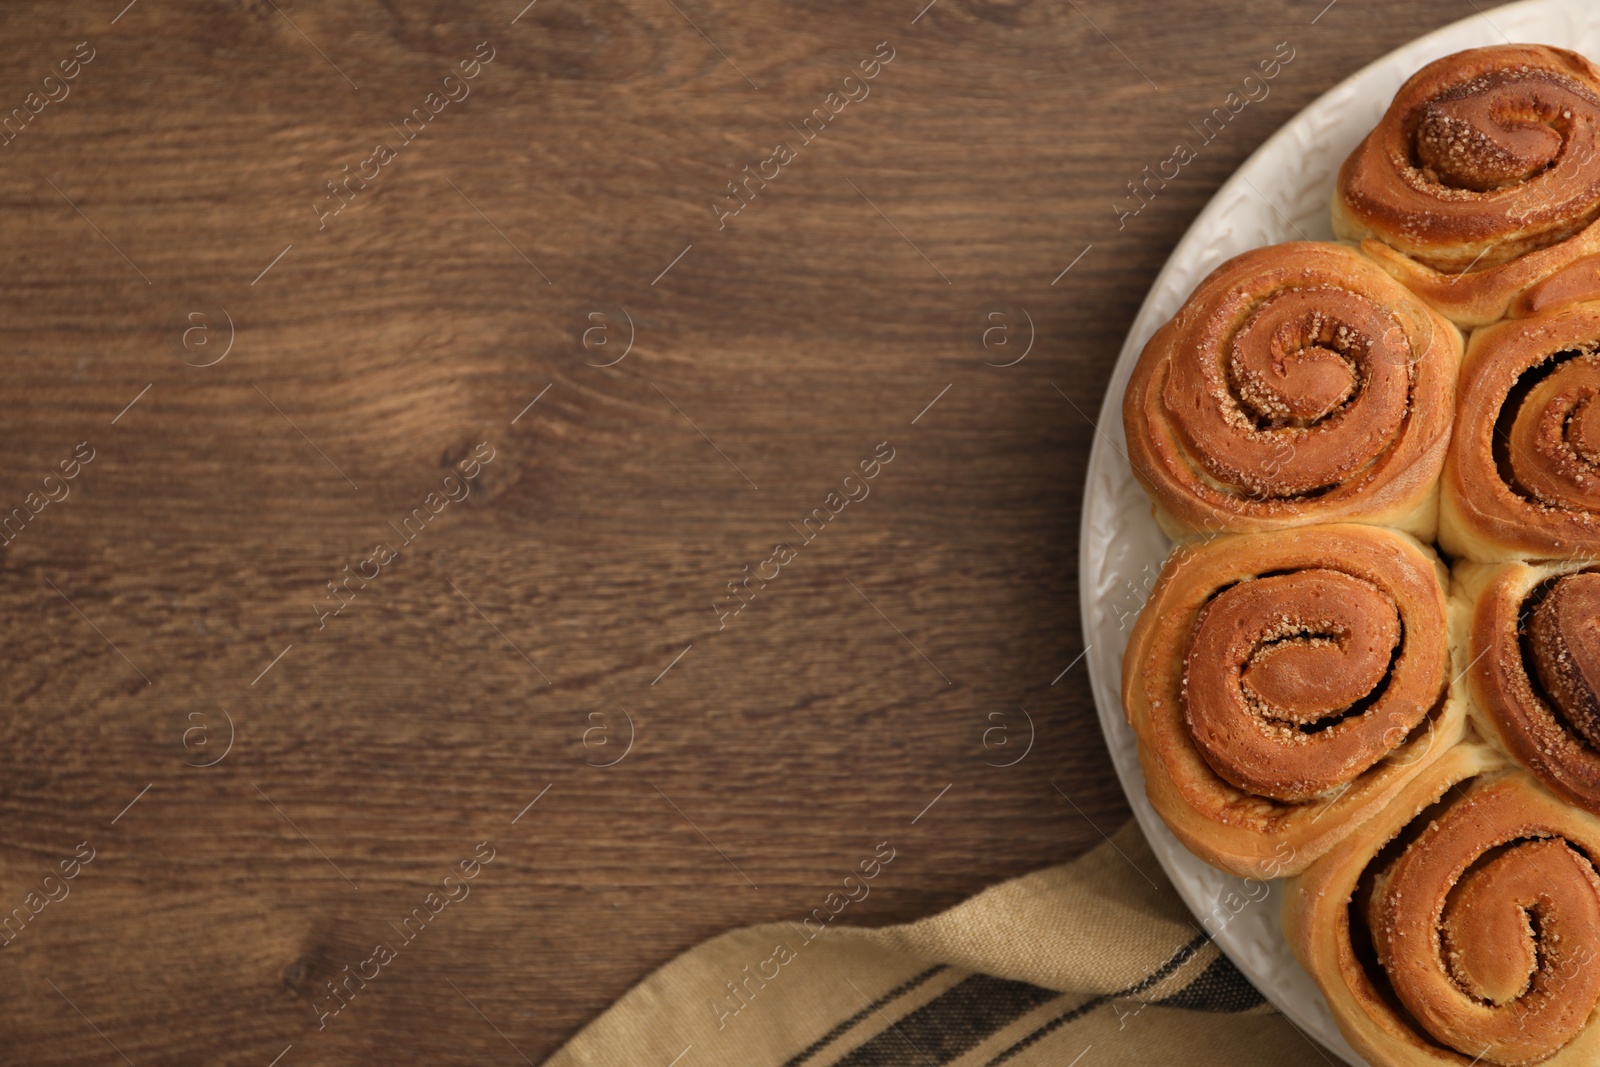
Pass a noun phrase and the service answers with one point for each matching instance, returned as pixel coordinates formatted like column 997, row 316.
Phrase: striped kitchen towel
column 1092, row 963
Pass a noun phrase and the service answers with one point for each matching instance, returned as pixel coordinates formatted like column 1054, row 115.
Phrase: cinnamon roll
column 1531, row 635
column 1461, row 924
column 1299, row 384
column 1523, row 474
column 1481, row 178
column 1283, row 687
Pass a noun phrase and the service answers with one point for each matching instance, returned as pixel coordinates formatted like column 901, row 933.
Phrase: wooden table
column 282, row 345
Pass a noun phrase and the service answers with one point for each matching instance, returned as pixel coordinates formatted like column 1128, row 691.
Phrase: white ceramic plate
column 1280, row 194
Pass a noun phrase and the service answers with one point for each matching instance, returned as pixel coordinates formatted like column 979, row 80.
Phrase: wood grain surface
column 556, row 230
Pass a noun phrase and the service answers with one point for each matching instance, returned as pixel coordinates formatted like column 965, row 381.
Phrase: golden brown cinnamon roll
column 1283, row 687
column 1523, row 475
column 1530, row 635
column 1461, row 924
column 1298, row 384
column 1482, row 178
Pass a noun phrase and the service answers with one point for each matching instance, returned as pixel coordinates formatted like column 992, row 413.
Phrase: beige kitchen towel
column 1092, row 963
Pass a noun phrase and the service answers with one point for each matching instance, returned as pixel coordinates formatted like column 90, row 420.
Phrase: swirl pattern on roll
column 1282, row 686
column 1564, row 640
column 1298, row 384
column 1534, row 651
column 1481, row 178
column 1479, row 923
column 1523, row 475
column 1462, row 925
